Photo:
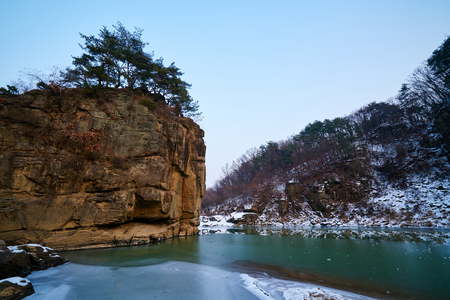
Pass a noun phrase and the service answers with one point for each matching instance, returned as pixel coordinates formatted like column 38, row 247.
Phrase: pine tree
column 117, row 59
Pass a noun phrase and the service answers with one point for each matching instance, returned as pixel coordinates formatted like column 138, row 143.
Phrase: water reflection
column 412, row 235
column 184, row 249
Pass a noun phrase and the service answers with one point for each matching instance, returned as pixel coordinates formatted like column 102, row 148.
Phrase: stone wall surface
column 99, row 171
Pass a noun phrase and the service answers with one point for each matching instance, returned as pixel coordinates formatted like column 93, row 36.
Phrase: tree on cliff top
column 117, row 59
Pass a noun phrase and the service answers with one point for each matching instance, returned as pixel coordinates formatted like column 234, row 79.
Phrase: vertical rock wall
column 81, row 172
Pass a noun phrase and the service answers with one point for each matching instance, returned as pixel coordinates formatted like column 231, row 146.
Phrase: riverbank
column 424, row 201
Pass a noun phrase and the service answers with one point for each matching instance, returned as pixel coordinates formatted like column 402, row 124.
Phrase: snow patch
column 271, row 288
column 16, row 249
column 17, row 280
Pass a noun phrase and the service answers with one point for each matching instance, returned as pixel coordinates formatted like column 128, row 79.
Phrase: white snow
column 238, row 215
column 219, row 221
column 45, row 249
column 248, row 206
column 17, row 280
column 425, row 202
column 16, row 249
column 215, row 224
column 271, row 288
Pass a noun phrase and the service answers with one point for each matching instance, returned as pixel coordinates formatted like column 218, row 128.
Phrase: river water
column 261, row 263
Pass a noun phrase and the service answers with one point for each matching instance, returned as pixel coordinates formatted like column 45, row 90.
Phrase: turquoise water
column 397, row 264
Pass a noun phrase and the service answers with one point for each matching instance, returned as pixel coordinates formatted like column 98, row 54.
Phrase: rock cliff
column 88, row 169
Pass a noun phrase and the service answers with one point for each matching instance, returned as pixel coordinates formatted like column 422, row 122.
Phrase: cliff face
column 98, row 171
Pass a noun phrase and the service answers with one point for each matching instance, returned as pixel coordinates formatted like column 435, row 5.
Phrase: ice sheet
column 171, row 280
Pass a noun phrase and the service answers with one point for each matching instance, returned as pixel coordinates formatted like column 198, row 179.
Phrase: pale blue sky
column 261, row 70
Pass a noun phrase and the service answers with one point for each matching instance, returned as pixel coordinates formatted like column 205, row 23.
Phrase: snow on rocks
column 26, row 248
column 16, row 280
column 214, row 224
column 23, row 259
column 424, row 202
column 270, row 288
column 214, row 221
column 221, row 223
column 17, row 261
column 15, row 288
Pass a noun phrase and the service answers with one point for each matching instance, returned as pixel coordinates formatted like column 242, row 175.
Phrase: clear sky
column 261, row 70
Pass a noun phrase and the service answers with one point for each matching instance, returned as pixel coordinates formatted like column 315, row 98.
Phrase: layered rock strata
column 89, row 171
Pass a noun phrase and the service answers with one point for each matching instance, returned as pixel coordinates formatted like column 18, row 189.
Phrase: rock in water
column 19, row 261
column 15, row 288
column 79, row 172
column 22, row 260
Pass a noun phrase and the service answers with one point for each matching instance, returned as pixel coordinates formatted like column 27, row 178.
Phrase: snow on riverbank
column 215, row 224
column 217, row 220
column 425, row 202
column 271, row 288
column 18, row 249
column 413, row 235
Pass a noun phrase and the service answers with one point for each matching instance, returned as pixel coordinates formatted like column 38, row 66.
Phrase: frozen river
column 261, row 263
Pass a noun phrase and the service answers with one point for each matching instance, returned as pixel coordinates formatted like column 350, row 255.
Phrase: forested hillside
column 385, row 164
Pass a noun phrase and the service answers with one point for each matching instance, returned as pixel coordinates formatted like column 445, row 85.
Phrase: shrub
column 148, row 103
column 86, row 142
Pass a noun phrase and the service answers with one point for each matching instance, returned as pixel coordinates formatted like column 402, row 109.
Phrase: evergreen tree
column 10, row 90
column 117, row 59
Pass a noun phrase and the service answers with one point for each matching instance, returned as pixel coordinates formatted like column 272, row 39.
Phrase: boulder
column 22, row 260
column 246, row 219
column 15, row 288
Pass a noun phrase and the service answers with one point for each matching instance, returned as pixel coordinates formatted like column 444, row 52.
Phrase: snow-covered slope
column 425, row 202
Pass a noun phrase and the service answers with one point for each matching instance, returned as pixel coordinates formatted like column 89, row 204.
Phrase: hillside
column 386, row 164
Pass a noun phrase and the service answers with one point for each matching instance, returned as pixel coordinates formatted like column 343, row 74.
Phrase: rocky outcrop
column 98, row 170
column 245, row 219
column 15, row 288
column 20, row 261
